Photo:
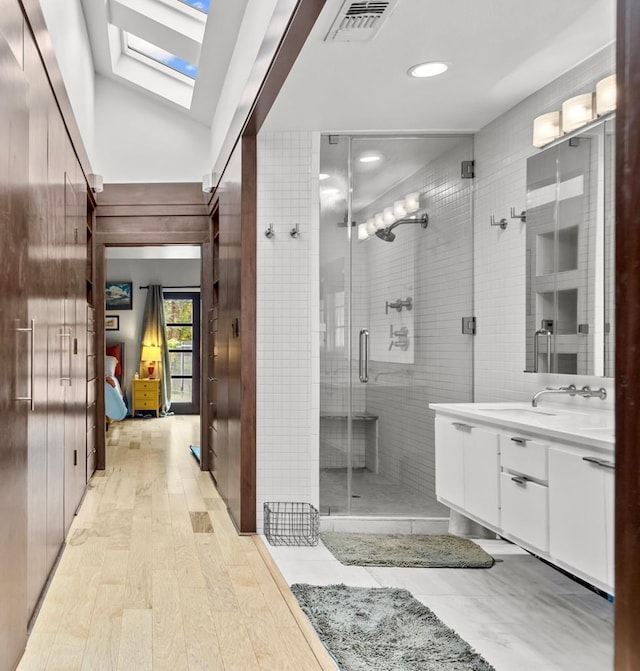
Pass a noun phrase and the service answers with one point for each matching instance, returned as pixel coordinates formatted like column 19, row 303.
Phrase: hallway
column 154, row 576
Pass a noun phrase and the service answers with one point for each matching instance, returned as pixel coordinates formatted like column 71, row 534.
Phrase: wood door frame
column 627, row 490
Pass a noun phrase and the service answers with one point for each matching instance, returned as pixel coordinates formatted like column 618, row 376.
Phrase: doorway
column 182, row 317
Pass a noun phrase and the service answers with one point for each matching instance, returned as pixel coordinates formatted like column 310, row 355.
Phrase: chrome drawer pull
column 520, row 441
column 462, row 425
column 520, row 480
column 600, row 462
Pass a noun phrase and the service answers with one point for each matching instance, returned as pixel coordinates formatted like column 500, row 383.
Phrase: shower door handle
column 364, row 355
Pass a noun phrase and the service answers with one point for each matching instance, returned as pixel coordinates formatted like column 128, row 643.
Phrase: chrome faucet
column 572, row 390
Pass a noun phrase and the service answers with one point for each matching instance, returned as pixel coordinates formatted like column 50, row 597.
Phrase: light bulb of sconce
column 371, row 226
column 412, row 202
column 606, row 95
column 577, row 111
column 363, row 233
column 546, row 128
column 388, row 216
column 379, row 221
column 399, row 209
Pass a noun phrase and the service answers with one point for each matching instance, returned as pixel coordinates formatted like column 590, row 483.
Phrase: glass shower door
column 398, row 289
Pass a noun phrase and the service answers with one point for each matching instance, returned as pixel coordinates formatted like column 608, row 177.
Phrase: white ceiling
column 499, row 51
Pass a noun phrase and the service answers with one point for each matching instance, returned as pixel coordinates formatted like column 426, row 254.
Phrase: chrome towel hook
column 269, row 233
column 503, row 223
column 295, row 231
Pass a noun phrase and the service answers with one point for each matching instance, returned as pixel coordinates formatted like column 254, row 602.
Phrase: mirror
column 569, row 299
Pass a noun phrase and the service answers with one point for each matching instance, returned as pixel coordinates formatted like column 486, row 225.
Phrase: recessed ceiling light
column 430, row 69
column 370, row 158
column 323, row 175
column 330, row 192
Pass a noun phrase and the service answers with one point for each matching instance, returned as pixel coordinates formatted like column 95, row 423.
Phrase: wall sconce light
column 412, row 202
column 150, row 354
column 399, row 210
column 546, row 128
column 371, row 226
column 363, row 233
column 379, row 222
column 606, row 95
column 577, row 111
column 388, row 216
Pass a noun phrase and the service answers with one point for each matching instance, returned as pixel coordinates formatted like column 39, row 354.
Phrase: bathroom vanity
column 541, row 477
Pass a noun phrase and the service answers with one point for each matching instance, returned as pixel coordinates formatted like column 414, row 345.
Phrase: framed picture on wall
column 119, row 296
column 112, row 323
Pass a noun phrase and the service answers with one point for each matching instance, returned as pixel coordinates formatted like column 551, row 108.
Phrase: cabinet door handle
column 32, row 365
column 462, row 425
column 600, row 462
column 520, row 480
column 63, row 378
column 520, row 441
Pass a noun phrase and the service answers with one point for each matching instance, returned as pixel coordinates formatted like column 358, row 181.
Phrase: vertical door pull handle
column 32, row 363
column 364, row 355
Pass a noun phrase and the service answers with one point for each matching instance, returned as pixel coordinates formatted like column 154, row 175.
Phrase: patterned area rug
column 416, row 551
column 368, row 628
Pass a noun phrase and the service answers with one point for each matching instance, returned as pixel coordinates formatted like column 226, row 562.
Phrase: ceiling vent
column 359, row 21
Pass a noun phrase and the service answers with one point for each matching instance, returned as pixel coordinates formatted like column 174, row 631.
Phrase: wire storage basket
column 289, row 523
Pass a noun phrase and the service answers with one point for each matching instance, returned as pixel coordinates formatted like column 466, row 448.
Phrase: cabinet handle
column 364, row 356
column 600, row 462
column 520, row 480
column 62, row 334
column 32, row 367
column 520, row 441
column 462, row 425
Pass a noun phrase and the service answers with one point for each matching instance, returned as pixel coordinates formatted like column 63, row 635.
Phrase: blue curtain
column 154, row 333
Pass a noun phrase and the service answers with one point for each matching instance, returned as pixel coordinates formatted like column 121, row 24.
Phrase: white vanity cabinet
column 546, row 486
column 467, row 468
column 524, row 490
column 581, row 515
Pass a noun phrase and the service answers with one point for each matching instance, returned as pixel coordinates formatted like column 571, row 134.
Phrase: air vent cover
column 359, row 21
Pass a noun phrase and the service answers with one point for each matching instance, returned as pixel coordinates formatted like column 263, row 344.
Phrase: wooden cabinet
column 146, row 396
column 581, row 519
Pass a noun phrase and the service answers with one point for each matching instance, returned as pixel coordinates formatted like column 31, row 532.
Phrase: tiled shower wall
column 287, row 320
column 433, row 266
column 501, row 151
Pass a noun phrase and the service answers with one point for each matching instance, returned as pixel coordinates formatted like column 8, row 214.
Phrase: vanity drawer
column 524, row 455
column 525, row 510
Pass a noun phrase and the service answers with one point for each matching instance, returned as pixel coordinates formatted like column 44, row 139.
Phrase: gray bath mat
column 416, row 551
column 368, row 628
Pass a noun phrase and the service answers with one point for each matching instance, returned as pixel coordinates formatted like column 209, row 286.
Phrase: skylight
column 161, row 56
column 200, row 5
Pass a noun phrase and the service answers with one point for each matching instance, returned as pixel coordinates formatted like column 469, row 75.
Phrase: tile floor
column 521, row 615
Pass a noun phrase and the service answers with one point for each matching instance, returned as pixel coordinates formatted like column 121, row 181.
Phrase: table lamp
column 150, row 354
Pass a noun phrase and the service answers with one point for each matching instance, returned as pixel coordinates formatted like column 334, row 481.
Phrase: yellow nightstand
column 146, row 396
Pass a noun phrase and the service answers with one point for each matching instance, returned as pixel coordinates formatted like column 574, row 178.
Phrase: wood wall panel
column 627, row 550
column 40, row 100
column 16, row 350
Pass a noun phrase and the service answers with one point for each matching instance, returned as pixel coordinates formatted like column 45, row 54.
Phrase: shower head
column 387, row 235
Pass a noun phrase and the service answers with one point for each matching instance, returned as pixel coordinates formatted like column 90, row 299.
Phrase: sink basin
column 520, row 412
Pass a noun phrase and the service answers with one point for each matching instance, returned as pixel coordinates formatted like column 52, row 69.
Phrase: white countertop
column 590, row 427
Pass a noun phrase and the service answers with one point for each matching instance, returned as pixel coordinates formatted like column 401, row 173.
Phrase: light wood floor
column 154, row 575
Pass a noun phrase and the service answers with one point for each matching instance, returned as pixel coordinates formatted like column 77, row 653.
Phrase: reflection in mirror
column 569, row 312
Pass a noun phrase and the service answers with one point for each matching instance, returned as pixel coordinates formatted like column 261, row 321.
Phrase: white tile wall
column 287, row 320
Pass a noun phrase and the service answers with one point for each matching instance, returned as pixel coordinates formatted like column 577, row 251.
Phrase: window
column 182, row 317
column 151, row 51
column 200, row 5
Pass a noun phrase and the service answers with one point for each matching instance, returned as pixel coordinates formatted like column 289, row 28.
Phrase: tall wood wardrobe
column 45, row 284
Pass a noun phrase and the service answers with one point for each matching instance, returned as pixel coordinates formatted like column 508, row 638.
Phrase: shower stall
column 396, row 274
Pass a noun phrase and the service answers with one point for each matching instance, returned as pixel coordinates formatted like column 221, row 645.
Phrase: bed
column 115, row 401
